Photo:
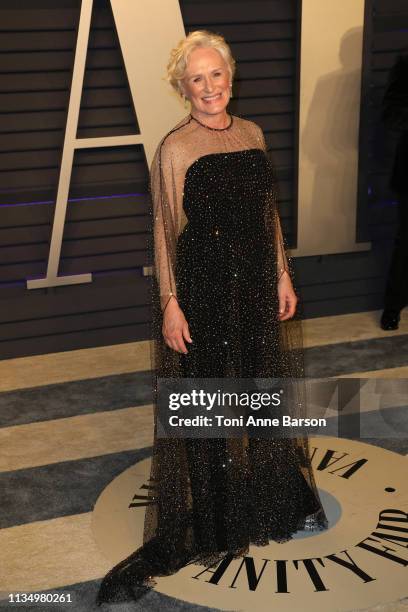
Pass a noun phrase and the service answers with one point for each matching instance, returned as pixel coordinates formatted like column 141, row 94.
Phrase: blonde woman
column 223, row 308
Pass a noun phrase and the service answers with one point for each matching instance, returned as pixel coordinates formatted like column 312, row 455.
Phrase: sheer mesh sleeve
column 282, row 260
column 166, row 220
column 281, row 256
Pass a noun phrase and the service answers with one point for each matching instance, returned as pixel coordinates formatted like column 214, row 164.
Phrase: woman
column 223, row 290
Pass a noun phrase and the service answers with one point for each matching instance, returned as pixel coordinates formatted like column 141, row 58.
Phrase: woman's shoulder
column 174, row 140
column 176, row 132
column 247, row 124
column 251, row 131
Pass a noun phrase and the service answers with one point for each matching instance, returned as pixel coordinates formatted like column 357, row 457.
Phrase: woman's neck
column 219, row 121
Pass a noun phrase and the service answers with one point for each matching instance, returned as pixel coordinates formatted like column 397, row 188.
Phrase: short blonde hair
column 177, row 65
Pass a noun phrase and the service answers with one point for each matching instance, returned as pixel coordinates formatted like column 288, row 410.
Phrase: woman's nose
column 209, row 86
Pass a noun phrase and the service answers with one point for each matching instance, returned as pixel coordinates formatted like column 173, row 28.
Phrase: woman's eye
column 196, row 79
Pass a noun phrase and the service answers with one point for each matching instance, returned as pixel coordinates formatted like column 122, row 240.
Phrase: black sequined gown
column 219, row 251
column 226, row 267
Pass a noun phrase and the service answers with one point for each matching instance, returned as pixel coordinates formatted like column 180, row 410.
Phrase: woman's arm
column 164, row 202
column 166, row 220
column 282, row 260
column 286, row 294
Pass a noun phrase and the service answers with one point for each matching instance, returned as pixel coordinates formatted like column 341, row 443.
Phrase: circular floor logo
column 360, row 561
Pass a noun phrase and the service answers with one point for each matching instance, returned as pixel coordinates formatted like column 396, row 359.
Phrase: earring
column 231, row 90
column 185, row 101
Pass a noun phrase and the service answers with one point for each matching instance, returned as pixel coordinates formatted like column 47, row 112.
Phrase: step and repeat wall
column 107, row 224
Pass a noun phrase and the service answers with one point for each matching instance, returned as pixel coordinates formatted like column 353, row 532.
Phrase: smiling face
column 206, row 82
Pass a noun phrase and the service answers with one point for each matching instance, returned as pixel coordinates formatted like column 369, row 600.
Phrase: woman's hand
column 287, row 297
column 175, row 327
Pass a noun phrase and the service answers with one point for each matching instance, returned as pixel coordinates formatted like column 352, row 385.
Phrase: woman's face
column 207, row 81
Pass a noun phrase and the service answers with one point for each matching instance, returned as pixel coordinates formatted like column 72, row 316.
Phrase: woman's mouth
column 213, row 98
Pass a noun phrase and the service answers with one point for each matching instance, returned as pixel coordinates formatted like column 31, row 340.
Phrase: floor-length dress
column 219, row 251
